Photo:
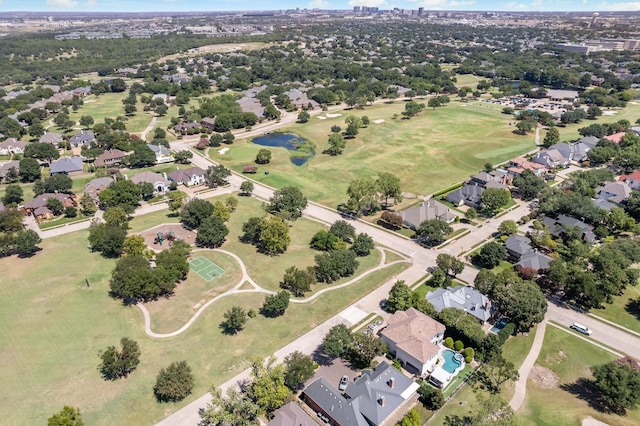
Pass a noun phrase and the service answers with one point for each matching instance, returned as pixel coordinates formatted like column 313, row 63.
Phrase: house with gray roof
column 467, row 194
column 163, row 155
column 428, row 210
column 188, row 177
column 12, row 146
column 534, row 260
column 370, row 400
column 66, row 165
column 552, row 158
column 159, row 182
column 291, row 414
column 614, row 192
column 517, row 246
column 6, row 167
column 97, row 185
column 52, row 138
column 558, row 226
column 603, row 204
column 590, row 141
column 466, row 298
column 84, row 138
column 110, row 157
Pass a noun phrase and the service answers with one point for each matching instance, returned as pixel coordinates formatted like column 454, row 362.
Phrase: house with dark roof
column 413, row 338
column 111, row 157
column 517, row 246
column 188, row 177
column 12, row 146
column 603, row 204
column 484, row 178
column 159, row 182
column 370, row 400
column 208, row 123
column 558, row 226
column 52, row 138
column 467, row 194
column 183, row 128
column 552, row 158
column 291, row 414
column 535, row 260
column 97, row 185
column 6, row 167
column 66, row 165
column 614, row 192
column 38, row 206
column 84, row 138
column 466, row 298
column 428, row 210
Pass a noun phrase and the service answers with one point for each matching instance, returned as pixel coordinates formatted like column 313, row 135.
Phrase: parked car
column 581, row 328
column 343, row 383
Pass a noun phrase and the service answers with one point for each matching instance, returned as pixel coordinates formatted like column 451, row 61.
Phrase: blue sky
column 212, row 5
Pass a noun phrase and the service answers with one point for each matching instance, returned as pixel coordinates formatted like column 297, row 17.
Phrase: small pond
column 301, row 149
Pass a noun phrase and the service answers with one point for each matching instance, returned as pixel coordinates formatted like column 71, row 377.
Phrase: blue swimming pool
column 452, row 361
column 499, row 325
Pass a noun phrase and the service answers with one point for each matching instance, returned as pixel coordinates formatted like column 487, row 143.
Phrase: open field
column 54, row 326
column 617, row 311
column 431, row 151
column 215, row 48
column 569, row 359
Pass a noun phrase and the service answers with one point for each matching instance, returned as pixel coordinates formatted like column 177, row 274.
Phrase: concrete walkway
column 527, row 365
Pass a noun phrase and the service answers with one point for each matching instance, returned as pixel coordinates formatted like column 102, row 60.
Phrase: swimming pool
column 499, row 326
column 452, row 361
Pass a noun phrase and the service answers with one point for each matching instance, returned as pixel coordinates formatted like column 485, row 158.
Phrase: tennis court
column 207, row 270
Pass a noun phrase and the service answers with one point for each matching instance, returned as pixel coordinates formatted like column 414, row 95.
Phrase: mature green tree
column 41, row 151
column 86, row 121
column 551, row 138
column 195, row 212
column 174, row 383
column 234, row 320
column 268, row 388
column 298, row 369
column 29, row 170
column 251, row 230
column 10, row 220
column 303, row 117
column 433, row 232
column 335, row 264
column 26, row 242
column 491, row 411
column 235, row 409
column 58, row 183
column 216, row 140
column 508, row 227
column 123, row 193
column 523, row 303
column 494, row 198
column 134, row 244
column 618, row 385
column 274, row 236
column 485, row 281
column 337, row 341
column 412, row 418
column 364, row 348
column 389, row 187
column 263, row 156
column 36, row 130
column 246, row 187
column 287, row 203
column 108, row 240
column 228, row 138
column 449, row 264
column 326, row 241
column 362, row 245
column 432, row 398
column 337, row 144
column 183, row 157
column 133, row 279
column 298, row 281
column 216, row 176
column 68, row 416
column 343, row 230
column 495, row 372
column 412, row 108
column 529, row 185
column 13, row 195
column 211, row 232
column 221, row 210
column 400, row 297
column 363, row 196
column 120, row 363
column 231, row 203
column 176, row 200
column 490, row 255
column 275, row 304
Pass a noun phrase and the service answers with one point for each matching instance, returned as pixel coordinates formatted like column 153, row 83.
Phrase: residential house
column 483, row 179
column 370, row 400
column 6, row 167
column 551, row 159
column 183, row 128
column 52, row 138
column 291, row 415
column 300, row 99
column 38, row 206
column 632, row 179
column 163, row 155
column 535, row 260
column 159, row 182
column 467, row 194
column 97, row 185
column 616, row 137
column 562, row 95
column 413, row 338
column 162, row 96
column 250, row 104
column 208, row 123
column 12, row 146
column 519, row 165
column 564, row 148
column 66, row 165
column 84, row 138
column 614, row 192
column 557, row 226
column 517, row 246
column 428, row 210
column 111, row 157
column 466, row 298
column 635, row 129
column 603, row 204
column 188, row 177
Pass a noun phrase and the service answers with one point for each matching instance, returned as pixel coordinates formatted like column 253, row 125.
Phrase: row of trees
column 14, row 239
column 366, row 194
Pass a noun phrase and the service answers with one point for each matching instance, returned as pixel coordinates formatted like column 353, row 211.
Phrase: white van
column 581, row 328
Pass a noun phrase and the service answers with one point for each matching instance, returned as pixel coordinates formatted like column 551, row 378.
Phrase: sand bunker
column 223, row 151
column 333, row 115
column 322, row 117
column 609, row 112
column 543, row 376
column 379, row 120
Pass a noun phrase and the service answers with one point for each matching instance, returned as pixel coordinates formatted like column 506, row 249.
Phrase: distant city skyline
column 217, row 5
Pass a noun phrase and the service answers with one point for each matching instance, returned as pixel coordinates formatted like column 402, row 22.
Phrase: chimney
column 381, row 400
column 392, row 382
column 487, row 305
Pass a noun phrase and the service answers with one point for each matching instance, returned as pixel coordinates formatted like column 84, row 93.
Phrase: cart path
column 256, row 289
column 527, row 365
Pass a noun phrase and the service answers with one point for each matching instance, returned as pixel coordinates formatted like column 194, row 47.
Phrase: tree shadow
column 633, row 307
column 584, row 389
column 320, row 358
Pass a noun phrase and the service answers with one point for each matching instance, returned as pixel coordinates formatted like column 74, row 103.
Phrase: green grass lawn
column 54, row 326
column 433, row 150
column 570, row 132
column 617, row 311
column 569, row 358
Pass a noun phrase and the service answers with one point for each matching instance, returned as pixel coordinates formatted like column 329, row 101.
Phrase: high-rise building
column 420, row 11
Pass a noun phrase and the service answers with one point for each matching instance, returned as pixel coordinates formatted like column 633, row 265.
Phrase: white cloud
column 516, row 6
column 440, row 4
column 65, row 4
column 91, row 3
column 318, row 4
column 537, row 3
column 634, row 5
column 371, row 3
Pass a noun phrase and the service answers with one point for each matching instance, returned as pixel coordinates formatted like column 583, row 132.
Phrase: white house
column 414, row 338
column 159, row 182
column 188, row 177
column 163, row 155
